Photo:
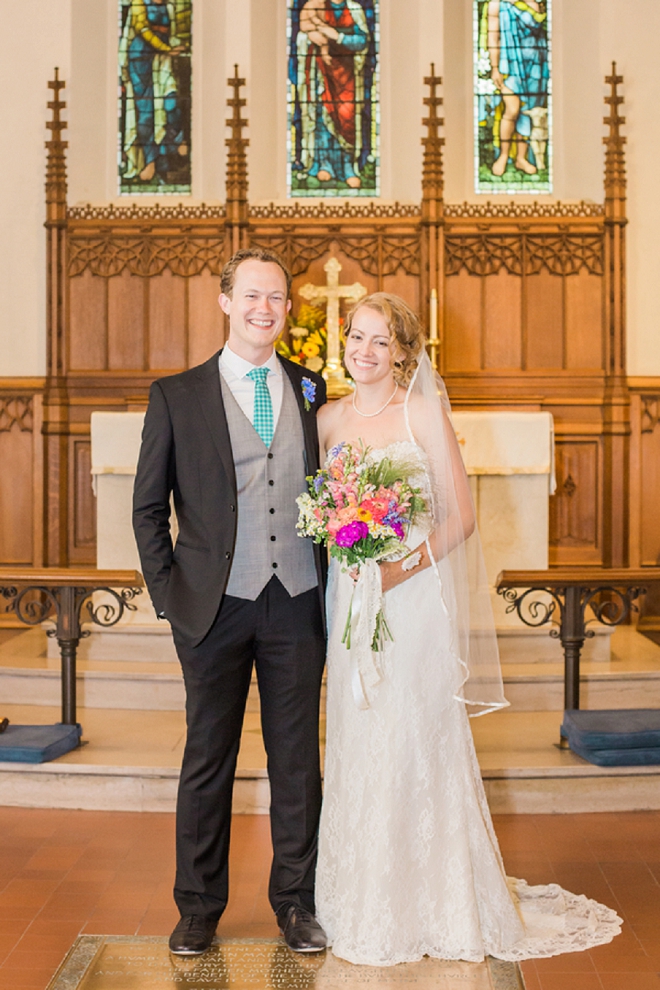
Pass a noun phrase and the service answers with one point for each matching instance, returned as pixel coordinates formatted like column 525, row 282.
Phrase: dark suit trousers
column 283, row 637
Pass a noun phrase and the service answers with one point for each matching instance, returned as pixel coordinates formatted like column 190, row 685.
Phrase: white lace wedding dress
column 409, row 864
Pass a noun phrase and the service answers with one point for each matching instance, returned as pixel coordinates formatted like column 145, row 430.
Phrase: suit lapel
column 209, row 394
column 307, row 419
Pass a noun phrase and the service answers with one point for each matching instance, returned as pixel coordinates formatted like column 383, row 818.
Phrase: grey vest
column 268, row 483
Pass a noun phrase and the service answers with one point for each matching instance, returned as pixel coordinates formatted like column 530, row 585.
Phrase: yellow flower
column 310, row 350
column 364, row 515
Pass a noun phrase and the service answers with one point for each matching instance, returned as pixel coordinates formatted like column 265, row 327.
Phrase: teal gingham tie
column 263, row 407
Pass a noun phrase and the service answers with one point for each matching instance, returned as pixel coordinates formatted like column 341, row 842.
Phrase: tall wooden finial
column 432, row 174
column 615, row 162
column 56, row 164
column 237, row 180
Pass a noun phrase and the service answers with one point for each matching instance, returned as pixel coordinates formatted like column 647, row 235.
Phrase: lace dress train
column 409, row 864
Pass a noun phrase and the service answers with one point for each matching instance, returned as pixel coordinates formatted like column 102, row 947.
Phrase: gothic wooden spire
column 56, row 164
column 237, row 181
column 615, row 162
column 616, row 405
column 432, row 177
column 55, row 409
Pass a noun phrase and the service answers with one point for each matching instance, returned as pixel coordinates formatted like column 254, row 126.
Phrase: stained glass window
column 155, row 45
column 333, row 97
column 512, row 96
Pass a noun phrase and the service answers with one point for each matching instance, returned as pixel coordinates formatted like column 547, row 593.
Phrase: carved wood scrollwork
column 111, row 254
column 383, row 255
column 339, row 211
column 650, row 412
column 524, row 254
column 376, row 254
column 297, row 250
column 521, row 210
column 16, row 410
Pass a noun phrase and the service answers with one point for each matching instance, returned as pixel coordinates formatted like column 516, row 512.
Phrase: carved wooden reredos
column 531, row 314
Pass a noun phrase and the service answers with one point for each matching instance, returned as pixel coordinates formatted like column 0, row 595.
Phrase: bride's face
column 368, row 351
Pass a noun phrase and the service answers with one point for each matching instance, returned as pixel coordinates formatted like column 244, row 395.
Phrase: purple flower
column 347, row 536
column 318, row 483
column 398, row 529
column 336, row 450
column 308, row 391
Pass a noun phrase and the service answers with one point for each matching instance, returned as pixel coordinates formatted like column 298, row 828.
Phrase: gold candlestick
column 434, row 342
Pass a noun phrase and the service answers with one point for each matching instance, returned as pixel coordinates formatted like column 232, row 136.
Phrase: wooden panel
column 82, row 530
column 544, row 321
column 584, row 321
column 462, row 330
column 406, row 286
column 574, row 509
column 649, row 495
column 205, row 319
column 16, row 496
column 126, row 322
column 502, row 321
column 88, row 332
column 167, row 322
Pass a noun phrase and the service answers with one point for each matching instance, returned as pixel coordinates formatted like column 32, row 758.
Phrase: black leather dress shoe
column 301, row 930
column 192, row 936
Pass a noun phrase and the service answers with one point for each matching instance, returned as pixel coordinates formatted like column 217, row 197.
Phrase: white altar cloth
column 507, row 443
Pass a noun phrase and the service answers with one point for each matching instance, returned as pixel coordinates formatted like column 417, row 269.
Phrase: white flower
column 314, row 363
column 308, row 524
column 485, row 87
column 299, row 331
column 484, row 67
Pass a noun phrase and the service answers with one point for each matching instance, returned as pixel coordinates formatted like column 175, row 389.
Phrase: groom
column 231, row 441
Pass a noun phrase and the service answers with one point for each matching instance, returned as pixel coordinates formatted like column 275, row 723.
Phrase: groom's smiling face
column 257, row 309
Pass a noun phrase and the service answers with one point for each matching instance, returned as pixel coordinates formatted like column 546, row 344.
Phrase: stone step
column 527, row 687
column 131, row 764
column 630, row 679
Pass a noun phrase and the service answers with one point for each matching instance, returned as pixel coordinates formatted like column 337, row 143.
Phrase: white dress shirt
column 234, row 370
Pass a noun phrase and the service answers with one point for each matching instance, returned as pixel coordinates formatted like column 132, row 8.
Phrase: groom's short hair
column 228, row 274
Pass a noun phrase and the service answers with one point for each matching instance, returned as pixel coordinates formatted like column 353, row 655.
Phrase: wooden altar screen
column 531, row 302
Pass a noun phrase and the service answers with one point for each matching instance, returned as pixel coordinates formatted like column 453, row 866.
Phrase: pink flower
column 349, row 535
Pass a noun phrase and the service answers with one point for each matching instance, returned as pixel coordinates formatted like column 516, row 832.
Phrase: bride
column 408, row 861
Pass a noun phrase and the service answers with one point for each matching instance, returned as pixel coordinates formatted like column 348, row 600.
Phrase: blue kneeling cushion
column 38, row 743
column 619, row 737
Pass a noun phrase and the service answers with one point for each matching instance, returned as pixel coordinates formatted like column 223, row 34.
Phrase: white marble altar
column 509, row 458
column 115, row 448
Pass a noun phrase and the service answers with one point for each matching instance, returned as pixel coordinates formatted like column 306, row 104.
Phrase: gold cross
column 331, row 294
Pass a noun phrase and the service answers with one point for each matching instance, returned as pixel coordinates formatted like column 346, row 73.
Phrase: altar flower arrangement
column 308, row 338
column 361, row 508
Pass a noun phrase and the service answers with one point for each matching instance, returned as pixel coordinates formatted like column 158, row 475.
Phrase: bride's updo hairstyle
column 407, row 334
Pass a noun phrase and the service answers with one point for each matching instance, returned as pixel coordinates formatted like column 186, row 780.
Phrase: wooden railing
column 63, row 594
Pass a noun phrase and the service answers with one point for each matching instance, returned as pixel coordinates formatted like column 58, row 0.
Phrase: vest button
column 273, row 538
column 228, row 555
column 274, row 565
column 232, row 508
column 270, row 456
column 272, row 512
column 271, row 482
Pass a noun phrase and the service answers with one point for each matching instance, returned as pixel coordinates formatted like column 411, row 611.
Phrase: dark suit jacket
column 186, row 451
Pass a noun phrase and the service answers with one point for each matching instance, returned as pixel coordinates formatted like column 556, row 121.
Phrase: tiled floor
column 66, row 872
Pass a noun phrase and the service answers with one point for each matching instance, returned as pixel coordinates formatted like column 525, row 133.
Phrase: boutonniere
column 309, row 392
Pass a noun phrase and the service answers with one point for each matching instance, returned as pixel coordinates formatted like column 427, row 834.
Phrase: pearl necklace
column 379, row 411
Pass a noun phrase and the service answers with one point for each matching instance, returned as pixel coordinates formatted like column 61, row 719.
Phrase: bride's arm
column 323, row 420
column 455, row 528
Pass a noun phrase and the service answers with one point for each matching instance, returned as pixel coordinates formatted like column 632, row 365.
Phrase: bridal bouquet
column 361, row 509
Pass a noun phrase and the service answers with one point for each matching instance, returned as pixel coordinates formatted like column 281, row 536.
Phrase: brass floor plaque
column 98, row 962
